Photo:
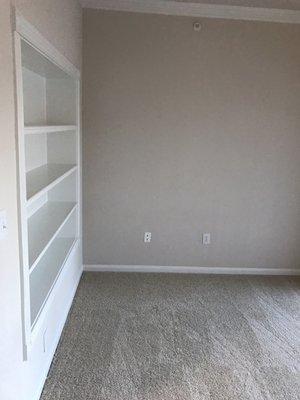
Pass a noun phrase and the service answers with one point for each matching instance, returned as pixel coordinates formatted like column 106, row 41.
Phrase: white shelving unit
column 49, row 175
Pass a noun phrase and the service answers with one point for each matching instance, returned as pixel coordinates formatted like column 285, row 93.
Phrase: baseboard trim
column 191, row 270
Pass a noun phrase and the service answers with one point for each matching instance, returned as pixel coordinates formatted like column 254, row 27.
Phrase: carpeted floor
column 179, row 337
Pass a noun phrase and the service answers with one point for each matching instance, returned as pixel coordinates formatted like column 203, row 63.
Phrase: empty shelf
column 44, row 277
column 41, row 179
column 35, row 130
column 43, row 226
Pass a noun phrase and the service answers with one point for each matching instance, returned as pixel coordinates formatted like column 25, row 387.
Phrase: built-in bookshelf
column 49, row 169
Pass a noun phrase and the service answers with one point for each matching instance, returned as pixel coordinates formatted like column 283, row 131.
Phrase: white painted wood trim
column 32, row 35
column 197, row 10
column 79, row 165
column 61, row 325
column 22, row 211
column 36, row 130
column 191, row 270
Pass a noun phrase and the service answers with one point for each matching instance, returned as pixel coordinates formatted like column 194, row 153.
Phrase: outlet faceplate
column 206, row 238
column 147, row 237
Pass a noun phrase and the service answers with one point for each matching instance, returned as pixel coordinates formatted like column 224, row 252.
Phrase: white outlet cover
column 206, row 238
column 147, row 237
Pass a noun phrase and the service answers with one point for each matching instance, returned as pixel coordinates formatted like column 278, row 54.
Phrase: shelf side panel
column 36, row 152
column 34, row 92
column 62, row 148
column 61, row 101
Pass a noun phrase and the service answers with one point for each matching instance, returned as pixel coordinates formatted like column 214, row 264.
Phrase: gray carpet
column 179, row 337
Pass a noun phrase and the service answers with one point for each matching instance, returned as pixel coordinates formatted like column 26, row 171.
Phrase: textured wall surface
column 10, row 309
column 60, row 22
column 189, row 132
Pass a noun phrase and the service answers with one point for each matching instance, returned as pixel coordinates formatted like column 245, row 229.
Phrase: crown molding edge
column 197, row 10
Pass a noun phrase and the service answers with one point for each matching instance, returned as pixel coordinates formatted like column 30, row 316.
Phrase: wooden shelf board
column 44, row 178
column 36, row 130
column 43, row 227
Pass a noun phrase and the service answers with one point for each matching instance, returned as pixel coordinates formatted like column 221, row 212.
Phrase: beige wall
column 189, row 132
column 10, row 311
column 60, row 22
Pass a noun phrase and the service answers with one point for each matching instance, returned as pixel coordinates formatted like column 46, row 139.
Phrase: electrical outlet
column 147, row 237
column 206, row 238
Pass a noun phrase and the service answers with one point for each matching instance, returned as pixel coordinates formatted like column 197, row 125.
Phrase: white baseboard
column 191, row 270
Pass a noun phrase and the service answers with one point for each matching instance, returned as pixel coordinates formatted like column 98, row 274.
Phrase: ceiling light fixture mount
column 197, row 26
